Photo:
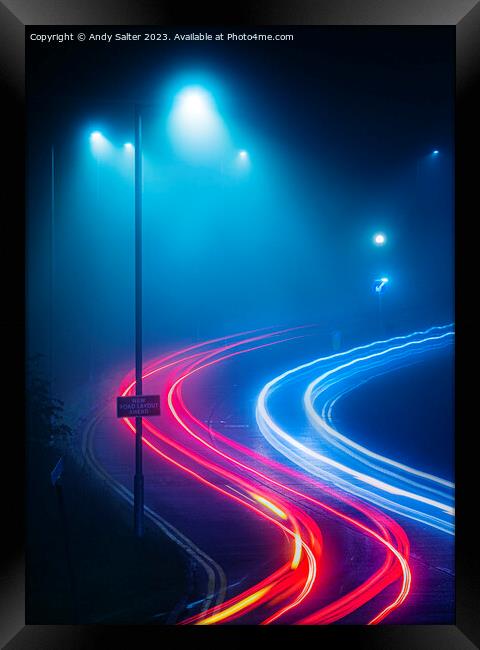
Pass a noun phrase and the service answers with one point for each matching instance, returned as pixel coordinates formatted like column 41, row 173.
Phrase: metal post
column 94, row 329
column 68, row 554
column 52, row 271
column 380, row 314
column 138, row 504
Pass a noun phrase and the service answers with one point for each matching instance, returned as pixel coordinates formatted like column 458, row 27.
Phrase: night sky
column 339, row 125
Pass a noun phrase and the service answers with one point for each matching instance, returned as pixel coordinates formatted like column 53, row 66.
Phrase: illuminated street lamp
column 96, row 136
column 195, row 126
column 380, row 284
column 194, row 118
column 379, row 239
column 379, row 287
column 138, row 491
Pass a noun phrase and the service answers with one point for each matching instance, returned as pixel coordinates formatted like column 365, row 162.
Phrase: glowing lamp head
column 195, row 126
column 379, row 239
column 242, row 162
column 96, row 137
column 435, row 152
column 195, row 107
column 128, row 146
column 99, row 143
column 194, row 101
column 379, row 285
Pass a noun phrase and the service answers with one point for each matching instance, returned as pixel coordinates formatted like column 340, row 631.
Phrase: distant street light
column 435, row 152
column 379, row 239
column 101, row 146
column 380, row 285
column 242, row 161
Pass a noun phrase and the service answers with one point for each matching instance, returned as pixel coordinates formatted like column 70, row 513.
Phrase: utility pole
column 52, row 268
column 138, row 504
column 380, row 315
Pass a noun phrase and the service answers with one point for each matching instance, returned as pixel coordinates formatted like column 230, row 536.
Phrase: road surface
column 326, row 532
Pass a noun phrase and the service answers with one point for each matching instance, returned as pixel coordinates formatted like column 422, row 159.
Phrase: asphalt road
column 270, row 542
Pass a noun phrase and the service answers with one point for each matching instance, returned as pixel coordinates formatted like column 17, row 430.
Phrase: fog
column 338, row 137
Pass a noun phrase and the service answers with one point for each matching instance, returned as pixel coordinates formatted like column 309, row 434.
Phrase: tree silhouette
column 45, row 413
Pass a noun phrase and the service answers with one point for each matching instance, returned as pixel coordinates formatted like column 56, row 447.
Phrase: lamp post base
column 138, row 505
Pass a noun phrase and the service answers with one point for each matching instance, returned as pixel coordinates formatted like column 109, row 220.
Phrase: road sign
column 138, row 405
column 380, row 285
column 57, row 472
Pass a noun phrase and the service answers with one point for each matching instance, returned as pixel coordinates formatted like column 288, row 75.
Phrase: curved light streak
column 389, row 530
column 338, row 471
column 405, row 570
column 247, row 487
column 337, row 438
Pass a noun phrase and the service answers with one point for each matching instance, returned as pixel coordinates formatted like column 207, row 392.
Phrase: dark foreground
column 110, row 576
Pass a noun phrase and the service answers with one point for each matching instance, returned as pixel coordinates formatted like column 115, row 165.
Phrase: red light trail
column 295, row 583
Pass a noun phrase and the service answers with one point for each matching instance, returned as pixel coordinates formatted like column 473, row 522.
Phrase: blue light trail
column 345, row 463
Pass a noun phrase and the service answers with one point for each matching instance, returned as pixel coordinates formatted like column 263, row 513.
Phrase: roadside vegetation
column 84, row 564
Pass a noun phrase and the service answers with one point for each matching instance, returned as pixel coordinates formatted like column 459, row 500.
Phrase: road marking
column 213, row 570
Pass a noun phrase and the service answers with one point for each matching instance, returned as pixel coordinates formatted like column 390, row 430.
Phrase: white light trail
column 334, row 462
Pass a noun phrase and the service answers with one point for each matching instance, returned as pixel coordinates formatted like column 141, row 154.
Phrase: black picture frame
column 464, row 16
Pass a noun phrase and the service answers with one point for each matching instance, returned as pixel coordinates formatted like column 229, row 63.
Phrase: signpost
column 55, row 476
column 379, row 287
column 138, row 406
column 57, row 471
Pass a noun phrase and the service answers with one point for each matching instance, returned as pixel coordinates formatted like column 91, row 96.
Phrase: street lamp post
column 380, row 314
column 52, row 269
column 195, row 107
column 138, row 496
column 379, row 287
